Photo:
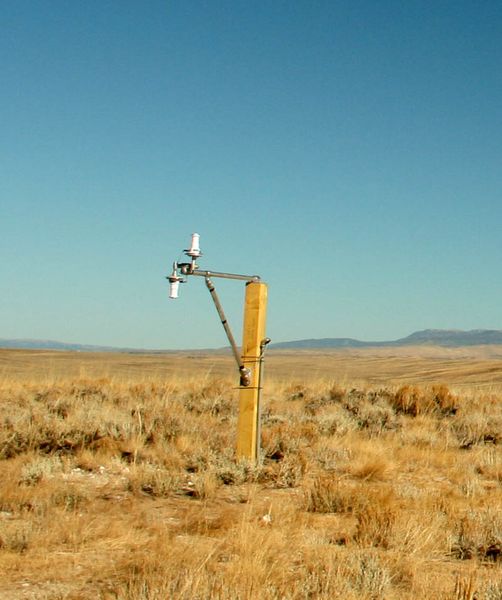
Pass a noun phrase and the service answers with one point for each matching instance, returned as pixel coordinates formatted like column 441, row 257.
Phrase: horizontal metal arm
column 224, row 275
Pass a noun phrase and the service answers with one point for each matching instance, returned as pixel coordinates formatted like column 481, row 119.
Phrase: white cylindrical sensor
column 173, row 289
column 194, row 249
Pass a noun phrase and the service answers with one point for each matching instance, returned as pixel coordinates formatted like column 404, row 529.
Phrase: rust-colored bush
column 414, row 401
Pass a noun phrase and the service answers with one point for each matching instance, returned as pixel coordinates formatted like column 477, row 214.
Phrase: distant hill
column 428, row 337
column 52, row 345
column 454, row 337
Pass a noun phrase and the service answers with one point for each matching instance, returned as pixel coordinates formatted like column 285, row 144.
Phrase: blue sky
column 348, row 152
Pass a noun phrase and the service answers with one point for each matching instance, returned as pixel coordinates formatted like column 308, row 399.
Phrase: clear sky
column 349, row 152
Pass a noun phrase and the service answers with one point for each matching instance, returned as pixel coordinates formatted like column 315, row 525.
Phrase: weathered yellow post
column 248, row 424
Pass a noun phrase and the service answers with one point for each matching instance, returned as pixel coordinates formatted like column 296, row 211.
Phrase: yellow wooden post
column 248, row 424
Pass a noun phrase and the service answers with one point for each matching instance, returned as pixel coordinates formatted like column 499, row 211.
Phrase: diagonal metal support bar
column 244, row 372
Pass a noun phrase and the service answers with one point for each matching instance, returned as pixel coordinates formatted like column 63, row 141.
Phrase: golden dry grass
column 476, row 365
column 118, row 481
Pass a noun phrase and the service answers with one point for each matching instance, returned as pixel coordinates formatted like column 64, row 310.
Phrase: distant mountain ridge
column 28, row 344
column 427, row 337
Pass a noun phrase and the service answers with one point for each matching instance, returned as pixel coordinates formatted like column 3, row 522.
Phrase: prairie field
column 380, row 477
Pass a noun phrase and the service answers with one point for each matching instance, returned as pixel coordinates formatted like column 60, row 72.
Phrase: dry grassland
column 381, row 477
